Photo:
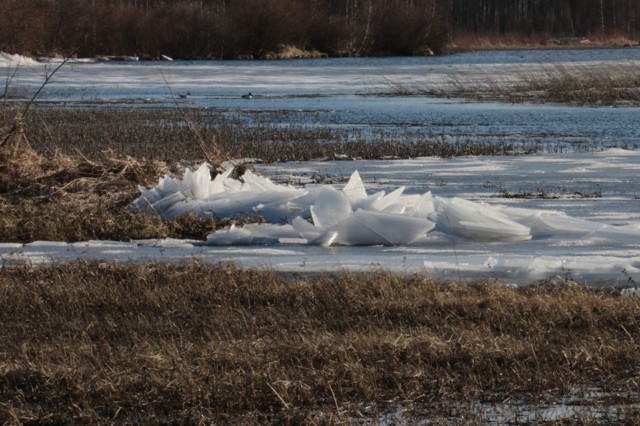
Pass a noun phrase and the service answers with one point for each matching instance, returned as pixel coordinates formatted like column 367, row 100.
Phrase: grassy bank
column 468, row 41
column 196, row 343
column 61, row 198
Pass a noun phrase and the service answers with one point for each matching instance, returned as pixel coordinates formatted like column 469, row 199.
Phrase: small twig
column 279, row 397
column 47, row 78
column 18, row 124
column 91, row 163
column 627, row 333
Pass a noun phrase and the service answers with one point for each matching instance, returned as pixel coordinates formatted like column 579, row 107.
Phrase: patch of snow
column 9, row 246
column 9, row 60
column 47, row 244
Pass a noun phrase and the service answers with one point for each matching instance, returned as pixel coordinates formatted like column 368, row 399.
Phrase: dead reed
column 160, row 134
column 63, row 198
column 587, row 84
column 575, row 84
column 197, row 343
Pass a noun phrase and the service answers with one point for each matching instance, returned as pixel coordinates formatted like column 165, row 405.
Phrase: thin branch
column 48, row 78
column 18, row 124
column 10, row 77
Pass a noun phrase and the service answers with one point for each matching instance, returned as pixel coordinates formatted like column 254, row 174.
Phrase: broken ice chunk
column 231, row 236
column 354, row 189
column 478, row 221
column 375, row 228
column 331, row 207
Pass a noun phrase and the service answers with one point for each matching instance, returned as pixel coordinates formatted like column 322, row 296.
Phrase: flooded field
column 366, row 96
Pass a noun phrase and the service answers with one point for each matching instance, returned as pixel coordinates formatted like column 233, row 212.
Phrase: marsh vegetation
column 582, row 85
column 102, row 342
column 271, row 136
column 196, row 343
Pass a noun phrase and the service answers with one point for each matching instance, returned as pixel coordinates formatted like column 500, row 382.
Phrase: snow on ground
column 369, row 223
column 9, row 60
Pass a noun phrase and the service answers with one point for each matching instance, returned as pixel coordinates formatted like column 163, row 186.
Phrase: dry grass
column 195, row 343
column 293, row 52
column 63, row 198
column 160, row 134
column 466, row 41
column 68, row 182
column 586, row 85
column 470, row 41
column 573, row 84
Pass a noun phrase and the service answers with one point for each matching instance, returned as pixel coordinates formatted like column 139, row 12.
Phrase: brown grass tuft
column 569, row 84
column 293, row 52
column 16, row 156
column 66, row 198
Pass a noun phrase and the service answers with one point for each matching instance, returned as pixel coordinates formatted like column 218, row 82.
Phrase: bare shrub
column 182, row 30
column 408, row 30
column 255, row 27
column 217, row 29
column 330, row 34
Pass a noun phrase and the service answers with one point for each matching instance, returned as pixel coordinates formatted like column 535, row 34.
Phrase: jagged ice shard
column 349, row 216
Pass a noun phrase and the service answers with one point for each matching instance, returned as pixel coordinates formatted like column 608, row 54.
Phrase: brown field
column 196, row 343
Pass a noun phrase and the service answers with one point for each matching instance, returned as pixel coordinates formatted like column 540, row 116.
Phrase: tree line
column 560, row 18
column 255, row 28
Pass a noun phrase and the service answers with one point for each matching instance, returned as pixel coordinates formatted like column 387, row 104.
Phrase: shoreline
column 294, row 53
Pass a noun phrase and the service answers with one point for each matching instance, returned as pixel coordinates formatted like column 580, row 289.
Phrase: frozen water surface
column 520, row 219
column 452, row 226
column 344, row 93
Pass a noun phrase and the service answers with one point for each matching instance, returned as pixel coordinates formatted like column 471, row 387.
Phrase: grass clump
column 51, row 195
column 102, row 342
column 63, row 198
column 575, row 84
column 587, row 84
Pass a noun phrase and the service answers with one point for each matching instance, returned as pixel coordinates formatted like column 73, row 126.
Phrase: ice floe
column 326, row 215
